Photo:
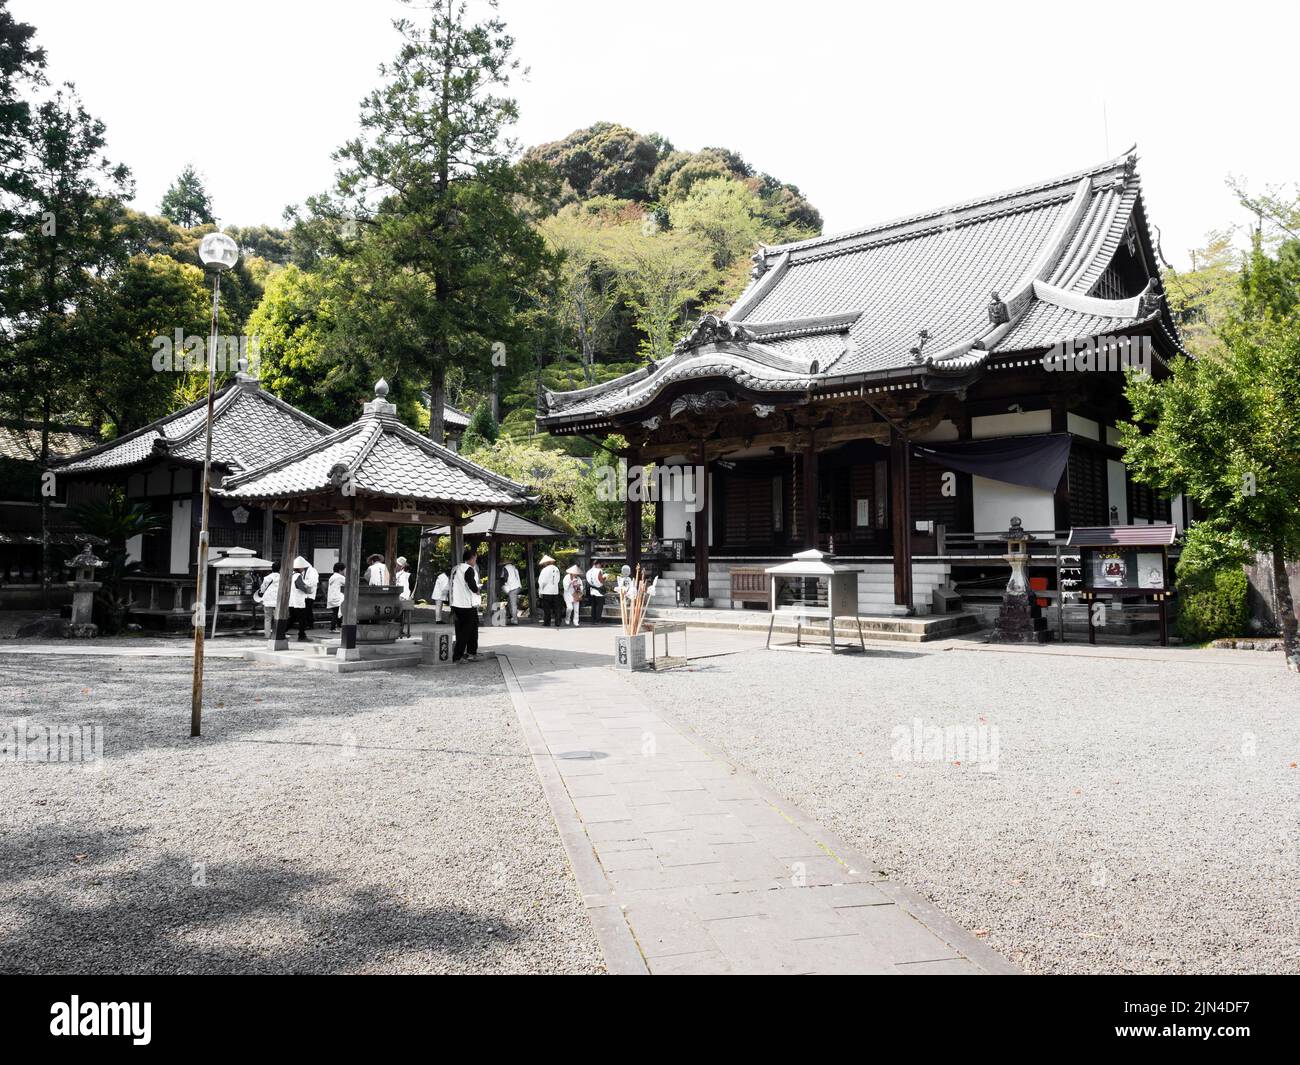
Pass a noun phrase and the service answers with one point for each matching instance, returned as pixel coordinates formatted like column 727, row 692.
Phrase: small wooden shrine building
column 375, row 471
column 884, row 393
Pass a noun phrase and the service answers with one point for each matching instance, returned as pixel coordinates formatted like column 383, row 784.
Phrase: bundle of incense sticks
column 632, row 607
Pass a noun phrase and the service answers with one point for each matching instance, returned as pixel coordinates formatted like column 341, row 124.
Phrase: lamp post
column 218, row 253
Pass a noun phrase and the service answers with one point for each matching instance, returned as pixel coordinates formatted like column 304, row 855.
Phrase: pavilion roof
column 506, row 526
column 377, row 456
column 851, row 308
column 249, row 426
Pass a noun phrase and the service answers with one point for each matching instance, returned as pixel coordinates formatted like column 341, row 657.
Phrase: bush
column 1212, row 605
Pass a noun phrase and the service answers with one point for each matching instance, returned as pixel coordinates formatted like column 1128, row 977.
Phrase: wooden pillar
column 1061, row 496
column 457, row 537
column 703, row 506
column 390, row 553
column 532, row 581
column 351, row 586
column 280, row 639
column 268, row 533
column 900, row 490
column 808, row 477
column 632, row 521
column 492, row 590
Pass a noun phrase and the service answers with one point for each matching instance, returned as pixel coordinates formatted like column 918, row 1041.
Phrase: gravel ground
column 377, row 822
column 1121, row 827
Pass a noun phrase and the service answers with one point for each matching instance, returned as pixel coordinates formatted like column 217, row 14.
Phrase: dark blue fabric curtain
column 1034, row 461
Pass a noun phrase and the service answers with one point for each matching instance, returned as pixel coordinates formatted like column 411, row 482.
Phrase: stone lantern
column 1020, row 618
column 84, row 587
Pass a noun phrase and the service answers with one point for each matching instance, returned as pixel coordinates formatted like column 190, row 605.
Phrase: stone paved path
column 687, row 863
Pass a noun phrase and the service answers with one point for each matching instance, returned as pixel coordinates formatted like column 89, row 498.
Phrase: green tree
column 432, row 213
column 120, row 318
column 187, row 202
column 303, row 358
column 73, row 202
column 605, row 159
column 482, row 430
column 585, row 297
column 661, row 274
column 1224, row 430
column 21, row 66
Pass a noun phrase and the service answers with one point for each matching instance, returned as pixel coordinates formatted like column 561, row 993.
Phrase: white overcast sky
column 873, row 110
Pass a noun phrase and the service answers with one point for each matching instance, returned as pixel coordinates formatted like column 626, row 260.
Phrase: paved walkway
column 687, row 863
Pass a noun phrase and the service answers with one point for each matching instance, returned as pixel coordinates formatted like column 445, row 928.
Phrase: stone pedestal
column 1020, row 620
column 82, row 623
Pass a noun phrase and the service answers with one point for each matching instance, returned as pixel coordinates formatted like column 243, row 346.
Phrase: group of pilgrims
column 457, row 590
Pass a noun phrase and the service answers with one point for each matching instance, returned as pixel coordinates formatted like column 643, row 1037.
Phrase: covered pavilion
column 498, row 527
column 375, row 471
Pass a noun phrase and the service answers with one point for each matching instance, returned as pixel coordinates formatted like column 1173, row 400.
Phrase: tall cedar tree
column 429, row 212
column 1225, row 431
column 73, row 206
column 187, row 202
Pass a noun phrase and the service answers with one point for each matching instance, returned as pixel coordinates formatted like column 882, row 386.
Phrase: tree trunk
column 1286, row 619
column 437, row 408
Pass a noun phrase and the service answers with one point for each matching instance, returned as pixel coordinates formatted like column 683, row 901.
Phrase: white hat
column 301, row 563
column 574, row 569
column 401, row 561
column 626, row 571
column 547, row 560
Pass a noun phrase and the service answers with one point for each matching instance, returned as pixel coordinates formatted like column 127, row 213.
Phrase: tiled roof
column 506, row 525
column 380, row 457
column 249, row 427
column 453, row 418
column 855, row 305
column 22, row 441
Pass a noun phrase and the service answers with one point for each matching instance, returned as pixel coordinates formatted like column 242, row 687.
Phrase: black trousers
column 597, row 608
column 465, row 642
column 300, row 616
column 551, row 607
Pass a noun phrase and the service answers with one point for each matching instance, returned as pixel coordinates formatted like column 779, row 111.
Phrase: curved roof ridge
column 1119, row 161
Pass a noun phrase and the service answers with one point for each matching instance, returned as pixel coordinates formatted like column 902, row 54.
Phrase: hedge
column 1212, row 606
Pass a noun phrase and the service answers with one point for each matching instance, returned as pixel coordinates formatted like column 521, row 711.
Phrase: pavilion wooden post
column 351, row 591
column 457, row 537
column 492, row 591
column 390, row 553
column 900, row 484
column 280, row 638
column 268, row 532
column 808, row 475
column 703, row 504
column 532, row 580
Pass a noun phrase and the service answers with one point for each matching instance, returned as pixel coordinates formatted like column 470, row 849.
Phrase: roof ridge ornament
column 998, row 313
column 711, row 329
column 759, row 259
column 380, row 405
column 1150, row 299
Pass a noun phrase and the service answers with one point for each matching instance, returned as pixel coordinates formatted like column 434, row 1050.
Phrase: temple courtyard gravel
column 373, row 823
column 1078, row 810
column 1084, row 810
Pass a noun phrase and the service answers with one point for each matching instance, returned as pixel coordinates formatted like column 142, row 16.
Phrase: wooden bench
column 749, row 584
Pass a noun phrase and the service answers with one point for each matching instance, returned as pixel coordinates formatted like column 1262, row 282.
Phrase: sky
column 874, row 111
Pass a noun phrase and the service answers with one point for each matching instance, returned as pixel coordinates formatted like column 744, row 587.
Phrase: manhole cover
column 574, row 755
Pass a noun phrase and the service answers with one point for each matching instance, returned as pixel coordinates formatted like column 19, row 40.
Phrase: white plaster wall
column 180, row 557
column 996, row 502
column 1012, row 423
column 1081, row 426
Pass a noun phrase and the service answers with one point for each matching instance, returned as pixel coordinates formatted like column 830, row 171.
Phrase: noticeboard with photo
column 1123, row 569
